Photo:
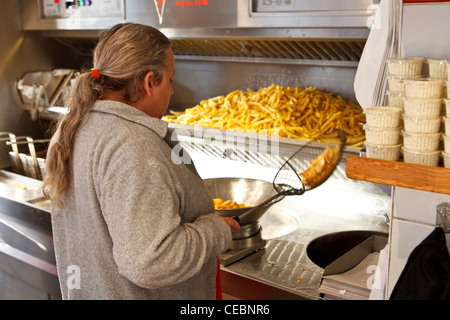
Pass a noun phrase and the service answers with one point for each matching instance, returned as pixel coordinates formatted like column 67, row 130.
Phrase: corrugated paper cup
column 383, row 152
column 418, row 157
column 417, row 107
column 424, row 88
column 446, row 139
column 376, row 135
column 385, row 117
column 446, row 158
column 446, row 125
column 447, row 107
column 405, row 67
column 447, row 90
column 426, row 142
column 422, row 125
column 396, row 83
column 395, row 99
column 437, row 68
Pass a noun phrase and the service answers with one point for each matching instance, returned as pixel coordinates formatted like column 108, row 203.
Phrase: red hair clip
column 95, row 73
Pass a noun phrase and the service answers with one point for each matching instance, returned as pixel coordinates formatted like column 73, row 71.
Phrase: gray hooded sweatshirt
column 136, row 223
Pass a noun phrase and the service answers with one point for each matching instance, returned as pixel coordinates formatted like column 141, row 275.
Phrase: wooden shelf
column 400, row 174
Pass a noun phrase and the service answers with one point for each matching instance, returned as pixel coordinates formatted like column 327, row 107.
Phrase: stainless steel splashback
column 224, row 45
column 181, row 15
column 280, row 29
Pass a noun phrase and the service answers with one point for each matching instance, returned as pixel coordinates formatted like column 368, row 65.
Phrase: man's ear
column 148, row 83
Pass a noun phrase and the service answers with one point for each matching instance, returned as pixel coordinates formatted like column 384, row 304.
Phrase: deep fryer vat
column 325, row 249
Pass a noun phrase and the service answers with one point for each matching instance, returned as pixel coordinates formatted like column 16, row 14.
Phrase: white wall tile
column 417, row 205
column 405, row 237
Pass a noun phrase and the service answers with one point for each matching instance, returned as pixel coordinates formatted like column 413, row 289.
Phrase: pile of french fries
column 291, row 112
column 227, row 204
column 320, row 166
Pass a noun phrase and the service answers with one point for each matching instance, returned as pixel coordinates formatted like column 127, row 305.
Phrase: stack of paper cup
column 420, row 87
column 405, row 67
column 446, row 138
column 383, row 132
column 438, row 69
column 422, row 121
column 448, row 81
column 399, row 70
column 446, row 135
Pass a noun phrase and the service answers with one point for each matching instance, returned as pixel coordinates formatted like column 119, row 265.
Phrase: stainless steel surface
column 245, row 44
column 277, row 263
column 305, row 13
column 279, row 221
column 250, row 147
column 241, row 249
column 287, row 180
column 283, row 263
column 23, row 190
column 256, row 212
column 22, row 52
column 197, row 80
column 247, row 240
column 196, row 76
column 282, row 268
column 16, row 163
column 48, row 14
column 27, row 257
column 54, row 14
column 43, row 90
column 270, row 50
column 246, row 243
column 246, row 231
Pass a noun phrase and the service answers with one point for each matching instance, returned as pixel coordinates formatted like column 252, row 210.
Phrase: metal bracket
column 443, row 216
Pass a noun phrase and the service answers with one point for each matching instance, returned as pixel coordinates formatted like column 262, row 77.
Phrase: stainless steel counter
column 282, row 269
column 27, row 258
